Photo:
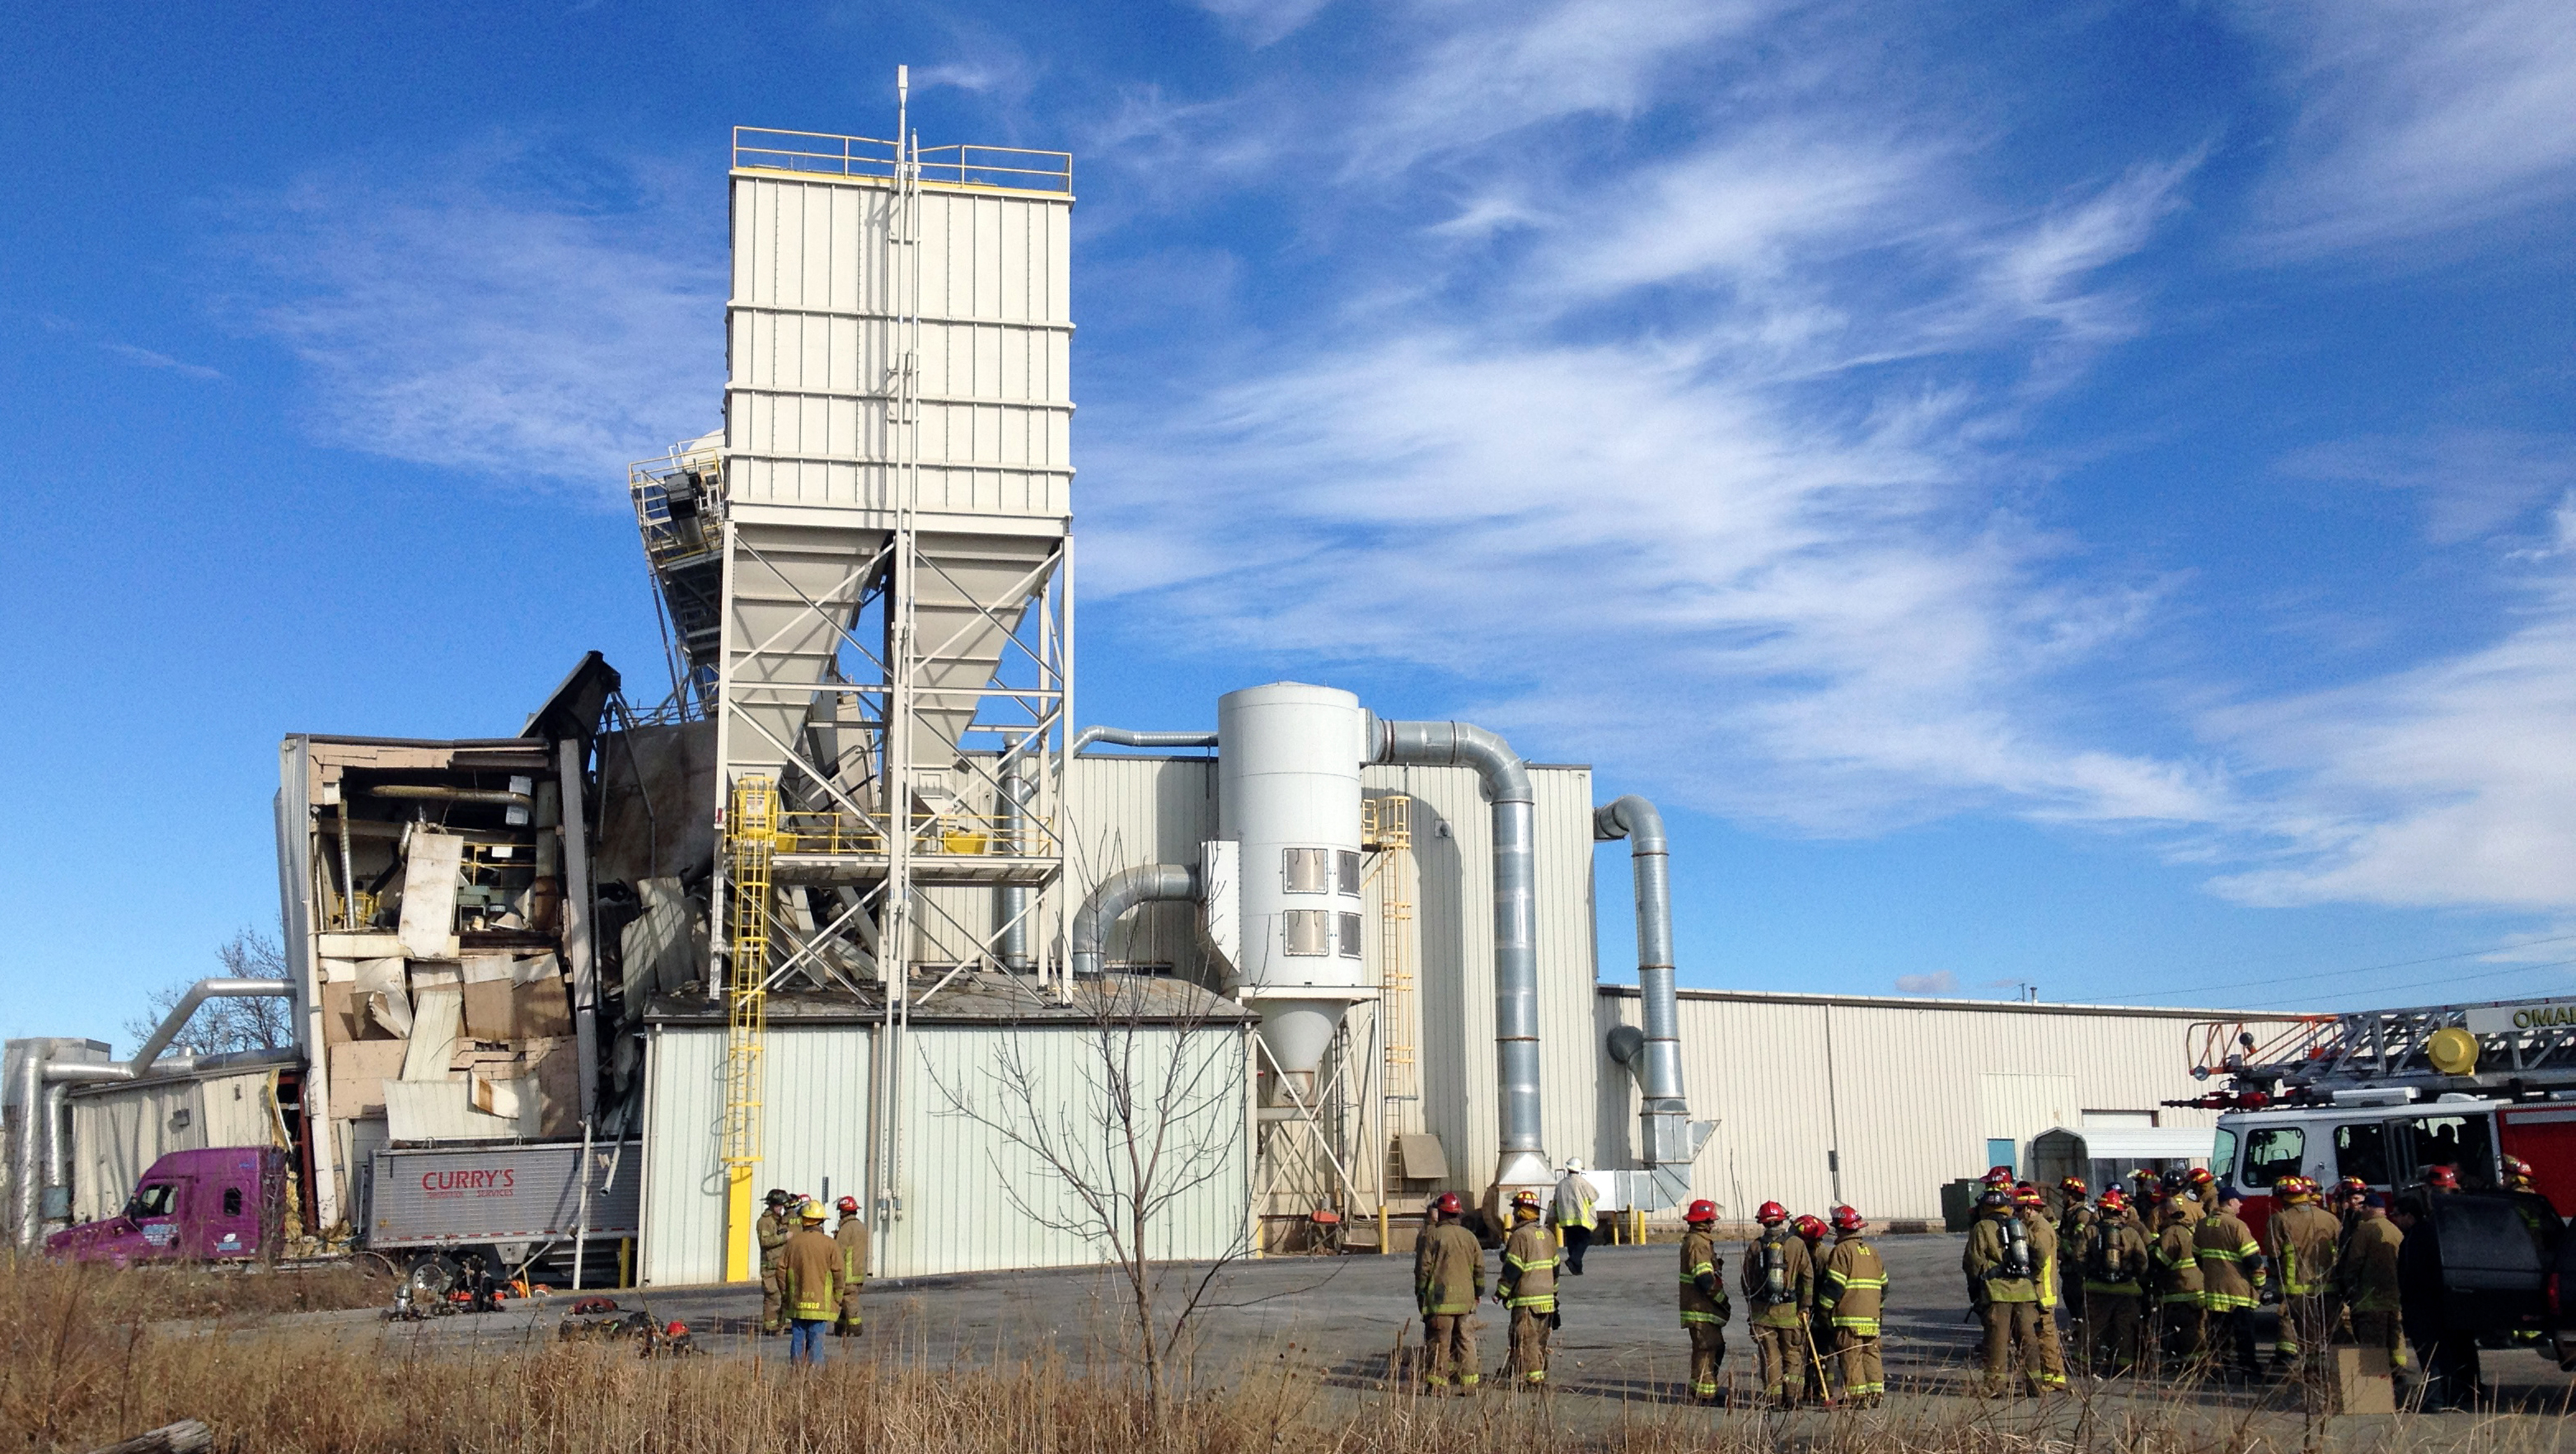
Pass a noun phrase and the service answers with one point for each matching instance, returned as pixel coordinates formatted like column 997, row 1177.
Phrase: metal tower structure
column 867, row 584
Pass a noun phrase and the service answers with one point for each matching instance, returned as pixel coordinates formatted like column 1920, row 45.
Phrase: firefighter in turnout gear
column 851, row 1235
column 1811, row 1230
column 2302, row 1240
column 1448, row 1279
column 2032, row 1208
column 2074, row 1230
column 1780, row 1282
column 2365, row 1279
column 809, row 1277
column 2113, row 1262
column 771, row 1232
column 1528, row 1287
column 2176, row 1281
column 2518, row 1175
column 1704, row 1305
column 2003, row 1284
column 1851, row 1293
column 2232, row 1274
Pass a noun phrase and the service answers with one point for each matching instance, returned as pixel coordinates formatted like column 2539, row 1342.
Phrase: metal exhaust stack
column 1524, row 1161
column 1668, row 1140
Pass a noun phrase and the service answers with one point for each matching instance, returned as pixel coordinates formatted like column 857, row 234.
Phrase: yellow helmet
column 812, row 1211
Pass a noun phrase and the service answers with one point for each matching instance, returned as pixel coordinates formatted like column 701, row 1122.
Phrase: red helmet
column 2112, row 1199
column 2026, row 1195
column 1809, row 1226
column 1702, row 1210
column 1446, row 1204
column 2516, row 1166
column 849, row 1206
column 2352, row 1186
column 676, row 1330
column 1999, row 1176
column 2202, row 1176
column 2294, row 1189
column 2443, row 1177
column 1848, row 1220
column 2072, row 1186
column 1771, row 1214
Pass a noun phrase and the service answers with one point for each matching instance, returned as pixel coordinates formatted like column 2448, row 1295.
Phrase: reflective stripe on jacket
column 1852, row 1290
column 2303, row 1243
column 809, row 1267
column 1797, row 1278
column 1530, row 1256
column 1699, row 1260
column 1573, row 1204
column 2177, row 1264
column 1448, row 1271
column 1984, row 1262
column 2221, row 1244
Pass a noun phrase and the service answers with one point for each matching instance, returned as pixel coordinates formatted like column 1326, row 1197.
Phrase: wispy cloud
column 1939, row 982
column 506, row 311
column 2471, row 481
column 147, row 358
column 2416, row 119
column 1264, row 22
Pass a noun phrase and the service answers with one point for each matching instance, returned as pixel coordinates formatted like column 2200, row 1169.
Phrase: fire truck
column 2386, row 1095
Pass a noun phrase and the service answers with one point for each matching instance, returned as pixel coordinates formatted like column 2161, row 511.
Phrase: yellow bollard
column 625, row 1261
column 1382, row 1247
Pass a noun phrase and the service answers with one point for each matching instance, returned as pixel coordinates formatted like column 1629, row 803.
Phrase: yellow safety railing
column 950, row 834
column 751, row 832
column 823, row 154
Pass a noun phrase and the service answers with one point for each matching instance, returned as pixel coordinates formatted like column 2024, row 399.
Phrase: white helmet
column 1574, row 1163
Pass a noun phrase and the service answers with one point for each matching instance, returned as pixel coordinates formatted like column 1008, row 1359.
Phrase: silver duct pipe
column 1121, row 891
column 198, row 993
column 1130, row 737
column 1654, row 1056
column 1014, row 817
column 1456, row 744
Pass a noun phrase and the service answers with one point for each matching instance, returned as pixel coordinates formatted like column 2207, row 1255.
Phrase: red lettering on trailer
column 499, row 1183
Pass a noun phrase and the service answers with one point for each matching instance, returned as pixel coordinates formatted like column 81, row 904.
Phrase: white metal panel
column 814, row 1129
column 1120, row 812
column 119, row 1132
column 973, row 1199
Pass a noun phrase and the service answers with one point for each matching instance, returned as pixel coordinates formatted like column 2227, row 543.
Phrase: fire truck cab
column 2390, row 1140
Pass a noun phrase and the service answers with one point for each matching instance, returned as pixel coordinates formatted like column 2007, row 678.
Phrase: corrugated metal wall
column 1909, row 1094
column 974, row 1197
column 1124, row 811
column 814, row 1127
column 809, row 347
column 118, row 1133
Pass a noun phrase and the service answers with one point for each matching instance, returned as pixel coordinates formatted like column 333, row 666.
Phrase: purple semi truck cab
column 214, row 1205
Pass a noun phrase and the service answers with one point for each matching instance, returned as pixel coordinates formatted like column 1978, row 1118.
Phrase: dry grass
column 80, row 1367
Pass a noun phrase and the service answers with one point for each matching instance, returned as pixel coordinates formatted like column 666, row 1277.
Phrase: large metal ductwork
column 1144, row 884
column 1131, row 737
column 1668, row 1140
column 1524, row 1161
column 42, row 1160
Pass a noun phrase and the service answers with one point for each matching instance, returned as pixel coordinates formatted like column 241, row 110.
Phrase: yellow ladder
column 751, row 838
column 1386, row 825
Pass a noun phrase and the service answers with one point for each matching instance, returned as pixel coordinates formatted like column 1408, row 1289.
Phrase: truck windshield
column 155, row 1199
column 2222, row 1155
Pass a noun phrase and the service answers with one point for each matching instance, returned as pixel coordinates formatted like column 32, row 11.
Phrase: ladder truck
column 2386, row 1095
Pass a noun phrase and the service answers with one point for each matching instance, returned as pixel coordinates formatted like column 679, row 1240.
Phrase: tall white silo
column 1288, row 793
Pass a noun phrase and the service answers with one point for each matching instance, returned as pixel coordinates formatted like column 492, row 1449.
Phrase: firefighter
column 1448, row 1279
column 2518, row 1175
column 1570, row 1212
column 2302, row 1240
column 1850, row 1293
column 2032, row 1210
column 2112, row 1261
column 1811, row 1230
column 851, row 1235
column 2441, row 1180
column 2232, row 1274
column 2200, row 1189
column 2074, row 1233
column 771, row 1232
column 1780, row 1281
column 2003, row 1287
column 2177, row 1282
column 809, row 1277
column 2365, row 1278
column 1704, row 1306
column 1528, row 1288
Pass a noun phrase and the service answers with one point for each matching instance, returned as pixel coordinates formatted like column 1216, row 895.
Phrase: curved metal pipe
column 198, row 993
column 1655, row 1056
column 1121, row 891
column 1130, row 737
column 429, row 794
column 1524, row 1160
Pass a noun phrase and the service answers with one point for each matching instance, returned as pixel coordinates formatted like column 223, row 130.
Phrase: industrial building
column 855, row 909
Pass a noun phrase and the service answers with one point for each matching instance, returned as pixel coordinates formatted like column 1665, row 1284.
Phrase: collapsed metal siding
column 814, row 1127
column 1900, row 1090
column 974, row 1200
column 119, row 1131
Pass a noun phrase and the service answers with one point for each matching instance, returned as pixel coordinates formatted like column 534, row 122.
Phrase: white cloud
column 2415, row 119
column 488, row 313
column 151, row 360
column 1264, row 22
column 2473, row 481
column 1939, row 982
column 2450, row 783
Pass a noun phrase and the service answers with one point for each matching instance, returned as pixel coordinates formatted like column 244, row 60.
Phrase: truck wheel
column 432, row 1277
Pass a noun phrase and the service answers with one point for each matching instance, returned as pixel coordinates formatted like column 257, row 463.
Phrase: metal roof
column 1910, row 1002
column 982, row 999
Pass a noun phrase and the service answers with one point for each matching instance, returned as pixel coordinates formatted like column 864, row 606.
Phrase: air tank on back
column 1288, row 793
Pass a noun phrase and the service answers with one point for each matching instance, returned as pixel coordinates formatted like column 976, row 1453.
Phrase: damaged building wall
column 118, row 1131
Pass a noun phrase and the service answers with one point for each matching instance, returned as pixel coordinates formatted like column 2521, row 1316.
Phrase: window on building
column 2361, row 1149
column 2273, row 1152
column 1346, row 865
column 1306, row 870
column 1310, row 931
column 1350, row 936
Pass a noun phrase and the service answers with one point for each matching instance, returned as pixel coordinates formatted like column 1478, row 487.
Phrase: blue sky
column 2079, row 495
